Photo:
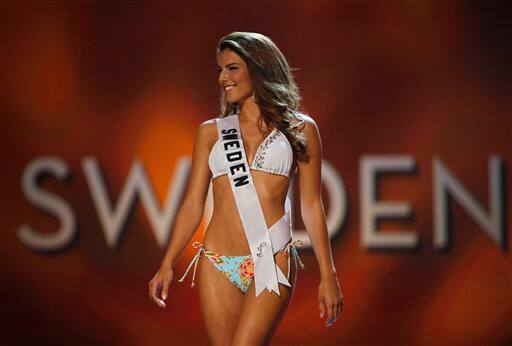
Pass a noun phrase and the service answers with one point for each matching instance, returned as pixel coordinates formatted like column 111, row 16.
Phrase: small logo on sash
column 260, row 248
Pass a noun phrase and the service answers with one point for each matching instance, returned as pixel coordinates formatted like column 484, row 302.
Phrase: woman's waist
column 227, row 215
column 229, row 235
column 226, row 240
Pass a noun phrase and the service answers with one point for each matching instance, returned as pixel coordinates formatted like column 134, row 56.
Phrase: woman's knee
column 248, row 338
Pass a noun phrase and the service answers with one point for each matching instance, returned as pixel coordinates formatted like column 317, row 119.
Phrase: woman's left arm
column 330, row 298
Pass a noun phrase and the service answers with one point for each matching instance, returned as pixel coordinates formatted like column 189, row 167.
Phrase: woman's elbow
column 311, row 208
column 193, row 211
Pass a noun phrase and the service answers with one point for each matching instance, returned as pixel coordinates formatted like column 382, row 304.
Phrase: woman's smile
column 229, row 88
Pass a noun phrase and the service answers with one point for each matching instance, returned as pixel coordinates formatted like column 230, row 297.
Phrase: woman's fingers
column 334, row 307
column 165, row 289
column 329, row 309
column 153, row 290
column 336, row 312
column 159, row 301
column 340, row 306
column 337, row 306
column 154, row 285
column 332, row 313
column 321, row 307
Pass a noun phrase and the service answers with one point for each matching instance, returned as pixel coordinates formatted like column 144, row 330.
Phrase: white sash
column 263, row 242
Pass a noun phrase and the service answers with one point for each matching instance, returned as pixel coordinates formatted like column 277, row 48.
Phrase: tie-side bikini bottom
column 238, row 269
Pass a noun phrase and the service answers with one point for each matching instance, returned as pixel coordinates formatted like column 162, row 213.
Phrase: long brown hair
column 275, row 90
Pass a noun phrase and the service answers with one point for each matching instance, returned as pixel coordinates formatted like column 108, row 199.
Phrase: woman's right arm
column 191, row 211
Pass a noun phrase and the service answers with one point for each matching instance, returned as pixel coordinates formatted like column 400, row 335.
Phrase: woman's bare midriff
column 225, row 233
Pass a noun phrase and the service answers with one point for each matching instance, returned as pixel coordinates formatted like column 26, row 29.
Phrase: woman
column 251, row 152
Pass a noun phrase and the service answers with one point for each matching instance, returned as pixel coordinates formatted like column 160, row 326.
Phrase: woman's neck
column 249, row 112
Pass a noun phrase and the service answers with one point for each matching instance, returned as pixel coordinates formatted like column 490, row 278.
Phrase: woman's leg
column 221, row 303
column 260, row 316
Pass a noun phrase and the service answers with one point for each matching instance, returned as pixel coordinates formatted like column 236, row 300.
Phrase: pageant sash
column 266, row 273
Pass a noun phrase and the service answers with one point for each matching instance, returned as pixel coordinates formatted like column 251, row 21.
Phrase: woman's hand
column 160, row 281
column 330, row 298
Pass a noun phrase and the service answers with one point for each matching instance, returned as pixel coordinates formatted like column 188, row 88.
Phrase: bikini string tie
column 291, row 246
column 194, row 262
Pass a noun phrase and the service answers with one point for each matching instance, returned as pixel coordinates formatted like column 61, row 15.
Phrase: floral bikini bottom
column 238, row 269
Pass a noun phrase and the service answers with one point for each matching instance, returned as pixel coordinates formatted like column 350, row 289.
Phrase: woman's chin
column 232, row 100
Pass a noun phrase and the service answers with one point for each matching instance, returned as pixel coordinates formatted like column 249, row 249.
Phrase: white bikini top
column 274, row 155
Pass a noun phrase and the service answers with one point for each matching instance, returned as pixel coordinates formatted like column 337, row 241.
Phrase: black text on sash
column 231, row 139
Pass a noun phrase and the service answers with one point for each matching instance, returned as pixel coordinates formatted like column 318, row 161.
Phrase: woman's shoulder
column 210, row 125
column 208, row 130
column 305, row 117
column 211, row 122
column 308, row 123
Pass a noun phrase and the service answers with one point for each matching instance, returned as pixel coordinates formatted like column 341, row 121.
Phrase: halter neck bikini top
column 274, row 155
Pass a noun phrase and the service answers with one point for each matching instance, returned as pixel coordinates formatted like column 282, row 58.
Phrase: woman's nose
column 222, row 77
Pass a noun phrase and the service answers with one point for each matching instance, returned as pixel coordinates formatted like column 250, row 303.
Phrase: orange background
column 126, row 81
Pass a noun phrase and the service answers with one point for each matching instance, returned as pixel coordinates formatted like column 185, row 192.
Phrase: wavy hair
column 275, row 90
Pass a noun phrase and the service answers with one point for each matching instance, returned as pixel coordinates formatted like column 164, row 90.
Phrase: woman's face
column 234, row 77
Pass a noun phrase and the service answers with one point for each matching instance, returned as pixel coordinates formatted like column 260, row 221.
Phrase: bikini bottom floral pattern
column 238, row 269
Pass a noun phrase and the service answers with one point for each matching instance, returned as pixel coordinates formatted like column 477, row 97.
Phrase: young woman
column 251, row 153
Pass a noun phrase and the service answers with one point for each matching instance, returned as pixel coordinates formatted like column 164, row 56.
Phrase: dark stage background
column 119, row 85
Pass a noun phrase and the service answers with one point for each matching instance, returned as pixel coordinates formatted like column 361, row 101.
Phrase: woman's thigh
column 221, row 303
column 260, row 316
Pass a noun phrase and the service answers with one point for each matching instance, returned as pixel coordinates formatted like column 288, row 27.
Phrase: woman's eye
column 230, row 68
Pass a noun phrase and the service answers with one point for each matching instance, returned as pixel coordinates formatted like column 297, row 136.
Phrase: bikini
column 227, row 156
